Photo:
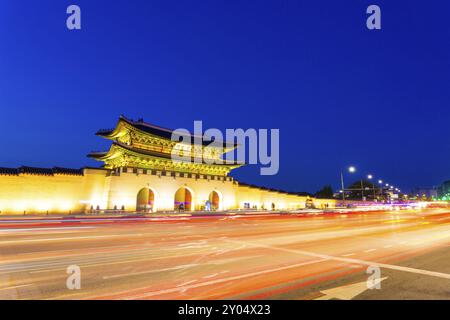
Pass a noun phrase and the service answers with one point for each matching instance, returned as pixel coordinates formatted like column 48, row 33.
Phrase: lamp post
column 369, row 176
column 351, row 169
column 380, row 182
column 362, row 190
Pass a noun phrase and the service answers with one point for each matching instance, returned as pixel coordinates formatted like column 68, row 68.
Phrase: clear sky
column 339, row 93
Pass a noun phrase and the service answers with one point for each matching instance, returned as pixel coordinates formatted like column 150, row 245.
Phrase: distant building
column 444, row 190
column 425, row 192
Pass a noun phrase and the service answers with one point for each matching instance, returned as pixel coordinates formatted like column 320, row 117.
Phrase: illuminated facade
column 139, row 175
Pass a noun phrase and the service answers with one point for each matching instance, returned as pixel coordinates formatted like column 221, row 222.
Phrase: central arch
column 183, row 199
column 214, row 200
column 145, row 200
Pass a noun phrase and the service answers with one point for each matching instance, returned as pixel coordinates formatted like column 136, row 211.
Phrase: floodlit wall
column 59, row 193
column 263, row 199
column 324, row 203
column 98, row 189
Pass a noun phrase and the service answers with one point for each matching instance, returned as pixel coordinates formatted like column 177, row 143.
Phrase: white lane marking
column 348, row 254
column 216, row 281
column 186, row 283
column 92, row 263
column 210, row 276
column 16, row 287
column 61, row 265
column 24, row 221
column 349, row 260
column 192, row 247
column 388, row 246
column 192, row 243
column 370, row 250
column 43, row 229
column 347, row 292
column 184, row 266
column 69, row 238
column 214, row 262
column 223, row 251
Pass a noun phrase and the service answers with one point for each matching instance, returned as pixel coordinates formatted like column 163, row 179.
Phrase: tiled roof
column 155, row 130
column 9, row 171
column 96, row 154
column 41, row 171
column 68, row 171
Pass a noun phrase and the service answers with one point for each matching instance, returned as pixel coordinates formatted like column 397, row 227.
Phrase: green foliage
column 356, row 190
column 325, row 192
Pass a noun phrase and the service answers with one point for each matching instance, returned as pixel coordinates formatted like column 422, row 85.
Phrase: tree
column 355, row 189
column 325, row 192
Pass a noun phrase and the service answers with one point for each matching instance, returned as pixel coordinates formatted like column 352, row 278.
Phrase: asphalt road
column 240, row 257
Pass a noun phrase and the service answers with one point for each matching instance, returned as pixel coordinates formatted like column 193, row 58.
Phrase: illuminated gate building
column 139, row 175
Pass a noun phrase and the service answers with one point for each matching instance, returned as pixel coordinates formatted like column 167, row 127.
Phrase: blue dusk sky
column 339, row 93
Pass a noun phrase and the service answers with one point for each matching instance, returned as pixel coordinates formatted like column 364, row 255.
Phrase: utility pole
column 362, row 190
column 373, row 188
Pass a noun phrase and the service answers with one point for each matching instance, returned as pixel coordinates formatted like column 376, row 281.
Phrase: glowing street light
column 380, row 182
column 369, row 176
column 351, row 169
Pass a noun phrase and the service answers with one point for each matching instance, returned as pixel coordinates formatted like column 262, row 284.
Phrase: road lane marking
column 388, row 246
column 355, row 266
column 180, row 267
column 42, row 229
column 16, row 287
column 212, row 262
column 347, row 292
column 348, row 254
column 395, row 221
column 370, row 250
column 69, row 238
column 216, row 281
column 193, row 244
column 91, row 264
column 186, row 283
column 94, row 262
column 348, row 260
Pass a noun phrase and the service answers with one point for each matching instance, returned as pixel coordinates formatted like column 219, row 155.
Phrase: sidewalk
column 83, row 216
column 172, row 214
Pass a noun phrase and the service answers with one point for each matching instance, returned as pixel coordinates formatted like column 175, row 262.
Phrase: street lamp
column 369, row 176
column 351, row 169
column 380, row 182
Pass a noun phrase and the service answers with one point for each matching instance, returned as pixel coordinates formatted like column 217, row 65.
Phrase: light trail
column 279, row 256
